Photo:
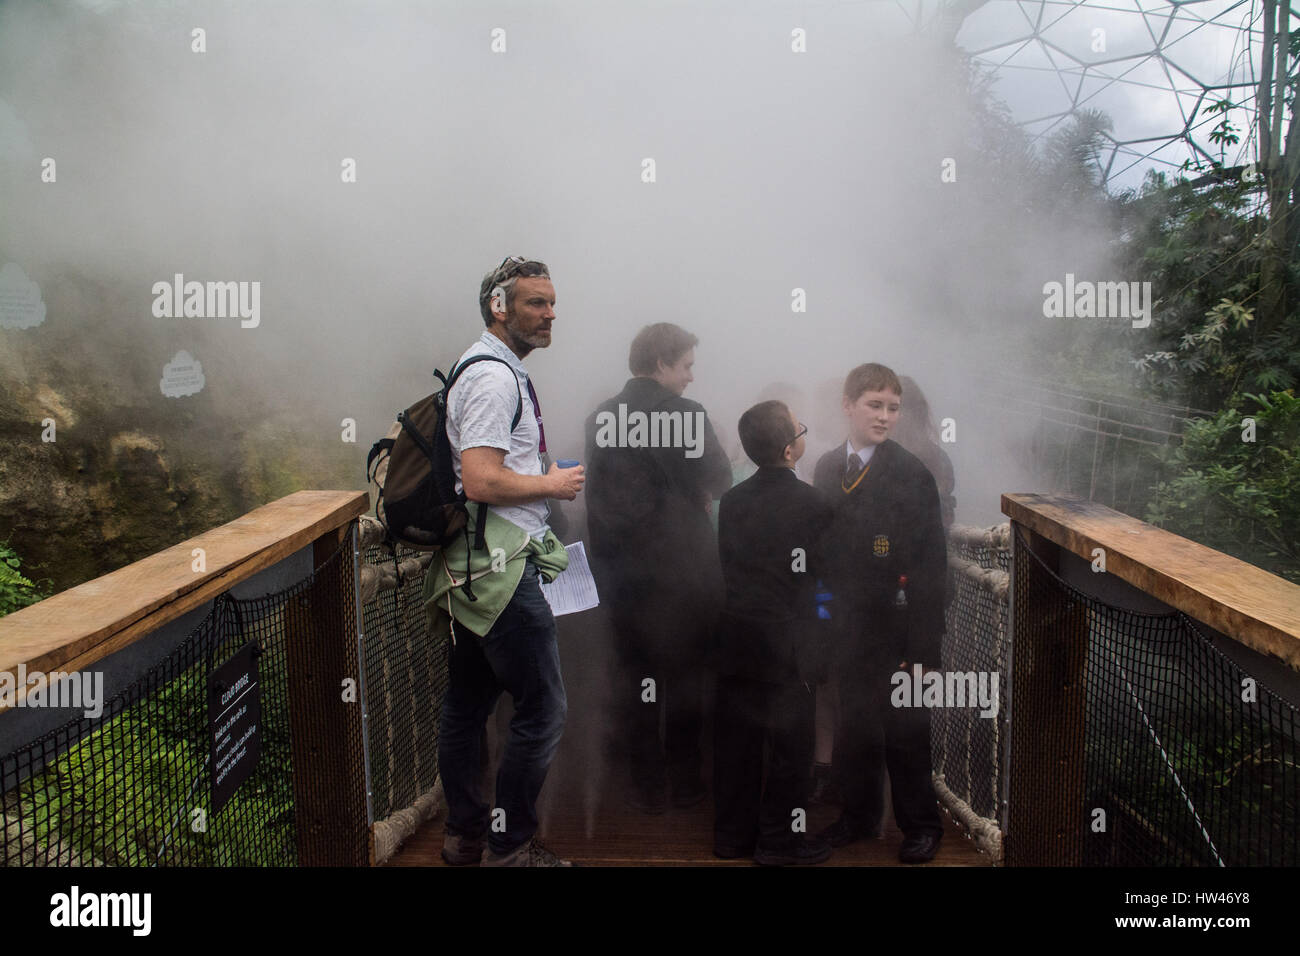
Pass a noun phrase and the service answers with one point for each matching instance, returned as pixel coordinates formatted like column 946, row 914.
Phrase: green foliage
column 1072, row 159
column 126, row 793
column 1224, row 134
column 124, row 796
column 1239, row 497
column 1202, row 250
column 16, row 591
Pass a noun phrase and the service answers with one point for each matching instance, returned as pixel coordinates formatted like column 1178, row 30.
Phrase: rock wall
column 131, row 471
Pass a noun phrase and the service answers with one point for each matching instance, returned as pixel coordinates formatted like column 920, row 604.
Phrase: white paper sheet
column 574, row 589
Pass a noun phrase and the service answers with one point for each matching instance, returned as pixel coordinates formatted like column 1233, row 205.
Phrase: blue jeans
column 520, row 656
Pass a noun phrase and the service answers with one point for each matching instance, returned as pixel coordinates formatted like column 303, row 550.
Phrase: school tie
column 853, row 472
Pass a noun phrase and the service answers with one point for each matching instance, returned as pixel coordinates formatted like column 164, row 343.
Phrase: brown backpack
column 411, row 474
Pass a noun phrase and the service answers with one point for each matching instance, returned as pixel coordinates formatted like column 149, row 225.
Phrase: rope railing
column 967, row 748
column 408, row 676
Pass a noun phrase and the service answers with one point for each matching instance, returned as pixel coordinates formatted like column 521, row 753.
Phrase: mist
column 774, row 171
column 798, row 220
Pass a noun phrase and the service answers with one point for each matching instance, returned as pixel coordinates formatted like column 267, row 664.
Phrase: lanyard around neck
column 537, row 412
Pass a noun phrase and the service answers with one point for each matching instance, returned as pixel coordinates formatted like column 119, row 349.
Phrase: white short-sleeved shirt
column 479, row 411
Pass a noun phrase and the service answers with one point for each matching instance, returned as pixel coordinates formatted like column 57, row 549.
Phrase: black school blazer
column 889, row 525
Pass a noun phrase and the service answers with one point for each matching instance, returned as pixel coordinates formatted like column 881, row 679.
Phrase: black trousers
column 679, row 680
column 747, row 715
column 872, row 735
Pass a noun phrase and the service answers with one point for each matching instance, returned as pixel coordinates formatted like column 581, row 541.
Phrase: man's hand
column 566, row 482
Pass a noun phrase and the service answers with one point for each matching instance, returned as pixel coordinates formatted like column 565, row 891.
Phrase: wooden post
column 329, row 786
column 1046, row 818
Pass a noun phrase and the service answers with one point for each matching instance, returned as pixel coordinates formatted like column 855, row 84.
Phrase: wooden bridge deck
column 619, row 836
column 583, row 816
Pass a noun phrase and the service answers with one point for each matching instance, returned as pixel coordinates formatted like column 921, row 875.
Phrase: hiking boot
column 529, row 853
column 462, row 851
column 804, row 850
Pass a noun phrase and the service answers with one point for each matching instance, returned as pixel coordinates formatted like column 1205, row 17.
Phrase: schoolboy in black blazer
column 887, row 537
column 771, row 650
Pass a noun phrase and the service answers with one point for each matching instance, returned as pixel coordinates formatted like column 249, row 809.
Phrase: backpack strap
column 480, row 523
column 480, row 527
column 384, row 444
column 420, row 441
column 456, row 371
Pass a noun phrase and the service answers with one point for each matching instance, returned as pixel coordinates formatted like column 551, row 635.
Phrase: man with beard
column 503, row 638
column 655, row 560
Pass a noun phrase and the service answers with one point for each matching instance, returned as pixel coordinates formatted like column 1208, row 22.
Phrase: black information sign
column 234, row 723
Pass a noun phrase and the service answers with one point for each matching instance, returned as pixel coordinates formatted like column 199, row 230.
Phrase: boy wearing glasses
column 888, row 566
column 770, row 648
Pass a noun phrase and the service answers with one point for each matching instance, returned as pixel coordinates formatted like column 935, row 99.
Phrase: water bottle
column 900, row 599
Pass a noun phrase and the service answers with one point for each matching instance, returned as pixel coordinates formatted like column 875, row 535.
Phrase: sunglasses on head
column 517, row 266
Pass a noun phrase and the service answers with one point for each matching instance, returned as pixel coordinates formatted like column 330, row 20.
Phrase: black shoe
column 919, row 849
column 800, row 851
column 646, row 798
column 844, row 831
column 689, row 794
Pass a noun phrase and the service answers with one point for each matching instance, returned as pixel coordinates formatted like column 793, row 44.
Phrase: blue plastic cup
column 568, row 463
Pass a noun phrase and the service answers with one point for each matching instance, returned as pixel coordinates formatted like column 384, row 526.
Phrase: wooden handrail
column 79, row 626
column 1246, row 603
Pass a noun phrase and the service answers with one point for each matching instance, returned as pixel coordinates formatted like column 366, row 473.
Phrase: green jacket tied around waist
column 495, row 571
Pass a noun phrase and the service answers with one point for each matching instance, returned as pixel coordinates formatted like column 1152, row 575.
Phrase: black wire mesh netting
column 133, row 786
column 966, row 748
column 1137, row 742
column 406, row 678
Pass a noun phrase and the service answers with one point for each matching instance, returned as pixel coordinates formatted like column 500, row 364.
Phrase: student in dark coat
column 771, row 648
column 654, row 466
column 915, row 431
column 887, row 537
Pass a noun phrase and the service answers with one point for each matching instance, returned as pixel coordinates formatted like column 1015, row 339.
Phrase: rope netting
column 966, row 748
column 406, row 678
